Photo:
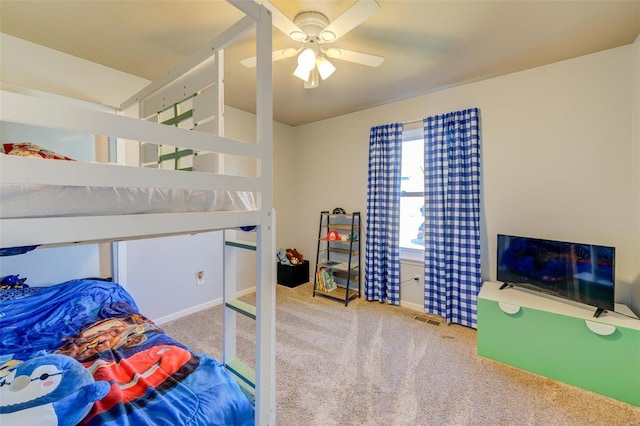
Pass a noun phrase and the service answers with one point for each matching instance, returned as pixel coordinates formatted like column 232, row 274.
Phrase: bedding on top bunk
column 152, row 378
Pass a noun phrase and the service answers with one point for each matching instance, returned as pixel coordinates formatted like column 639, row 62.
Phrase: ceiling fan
column 314, row 31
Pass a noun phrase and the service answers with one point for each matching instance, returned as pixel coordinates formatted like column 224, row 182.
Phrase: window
column 412, row 195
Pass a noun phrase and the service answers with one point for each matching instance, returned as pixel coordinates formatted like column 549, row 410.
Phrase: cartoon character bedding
column 81, row 353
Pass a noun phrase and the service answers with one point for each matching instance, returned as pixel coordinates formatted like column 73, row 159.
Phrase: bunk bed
column 84, row 319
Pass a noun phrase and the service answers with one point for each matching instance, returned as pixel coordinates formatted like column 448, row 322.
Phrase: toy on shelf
column 333, row 236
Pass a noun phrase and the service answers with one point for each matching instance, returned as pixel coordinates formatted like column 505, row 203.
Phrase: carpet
column 375, row 364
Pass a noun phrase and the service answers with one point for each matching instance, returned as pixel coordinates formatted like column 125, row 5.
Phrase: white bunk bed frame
column 57, row 231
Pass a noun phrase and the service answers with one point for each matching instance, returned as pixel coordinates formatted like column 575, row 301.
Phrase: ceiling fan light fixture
column 307, row 58
column 313, row 81
column 302, row 73
column 311, row 30
column 325, row 68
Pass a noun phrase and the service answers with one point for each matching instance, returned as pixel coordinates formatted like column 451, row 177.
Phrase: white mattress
column 27, row 200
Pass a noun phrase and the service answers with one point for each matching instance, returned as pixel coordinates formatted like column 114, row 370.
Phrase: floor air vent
column 422, row 318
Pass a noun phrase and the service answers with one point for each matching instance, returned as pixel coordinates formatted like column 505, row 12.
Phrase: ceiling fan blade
column 356, row 57
column 351, row 18
column 280, row 21
column 276, row 55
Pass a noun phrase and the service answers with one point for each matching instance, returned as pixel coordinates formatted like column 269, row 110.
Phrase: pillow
column 54, row 389
column 28, row 149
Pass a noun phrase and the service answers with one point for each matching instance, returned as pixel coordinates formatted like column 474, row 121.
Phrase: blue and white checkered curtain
column 452, row 218
column 382, row 258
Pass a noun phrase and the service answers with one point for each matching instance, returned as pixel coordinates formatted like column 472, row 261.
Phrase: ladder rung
column 242, row 307
column 242, row 371
column 247, row 390
column 249, row 245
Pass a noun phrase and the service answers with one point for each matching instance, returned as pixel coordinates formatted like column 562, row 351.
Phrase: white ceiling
column 427, row 45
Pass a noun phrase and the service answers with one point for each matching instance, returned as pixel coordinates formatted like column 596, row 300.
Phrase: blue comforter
column 154, row 379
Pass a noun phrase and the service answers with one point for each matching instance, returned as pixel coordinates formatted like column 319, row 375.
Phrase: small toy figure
column 13, row 281
column 282, row 257
column 333, row 236
column 295, row 257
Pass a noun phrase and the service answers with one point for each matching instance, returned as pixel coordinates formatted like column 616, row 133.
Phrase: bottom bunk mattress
column 138, row 375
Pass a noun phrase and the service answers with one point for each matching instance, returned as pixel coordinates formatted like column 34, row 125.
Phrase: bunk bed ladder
column 233, row 250
column 203, row 108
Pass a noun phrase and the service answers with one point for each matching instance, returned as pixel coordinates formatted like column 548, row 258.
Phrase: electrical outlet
column 199, row 277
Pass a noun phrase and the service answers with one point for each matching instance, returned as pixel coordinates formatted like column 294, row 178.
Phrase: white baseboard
column 412, row 306
column 197, row 308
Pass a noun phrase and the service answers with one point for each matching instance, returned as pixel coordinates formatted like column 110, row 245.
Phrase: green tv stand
column 561, row 340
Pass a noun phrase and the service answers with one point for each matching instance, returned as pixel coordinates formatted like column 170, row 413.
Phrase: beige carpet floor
column 374, row 364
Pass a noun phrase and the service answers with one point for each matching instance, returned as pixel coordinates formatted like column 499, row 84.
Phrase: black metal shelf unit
column 338, row 273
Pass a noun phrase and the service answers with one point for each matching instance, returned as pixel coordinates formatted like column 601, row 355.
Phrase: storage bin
column 293, row 275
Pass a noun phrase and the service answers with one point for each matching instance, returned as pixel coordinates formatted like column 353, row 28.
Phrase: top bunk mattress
column 28, row 197
column 35, row 200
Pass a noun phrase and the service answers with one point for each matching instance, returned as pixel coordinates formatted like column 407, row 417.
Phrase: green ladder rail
column 245, row 376
column 242, row 307
column 249, row 245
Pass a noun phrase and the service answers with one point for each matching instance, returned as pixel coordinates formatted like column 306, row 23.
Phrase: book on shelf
column 325, row 280
column 339, row 266
column 342, row 266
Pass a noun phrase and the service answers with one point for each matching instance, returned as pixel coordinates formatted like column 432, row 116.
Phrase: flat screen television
column 580, row 272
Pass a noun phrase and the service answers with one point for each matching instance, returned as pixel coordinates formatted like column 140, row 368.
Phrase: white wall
column 242, row 125
column 77, row 146
column 635, row 158
column 160, row 273
column 556, row 159
column 30, row 65
column 44, row 267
